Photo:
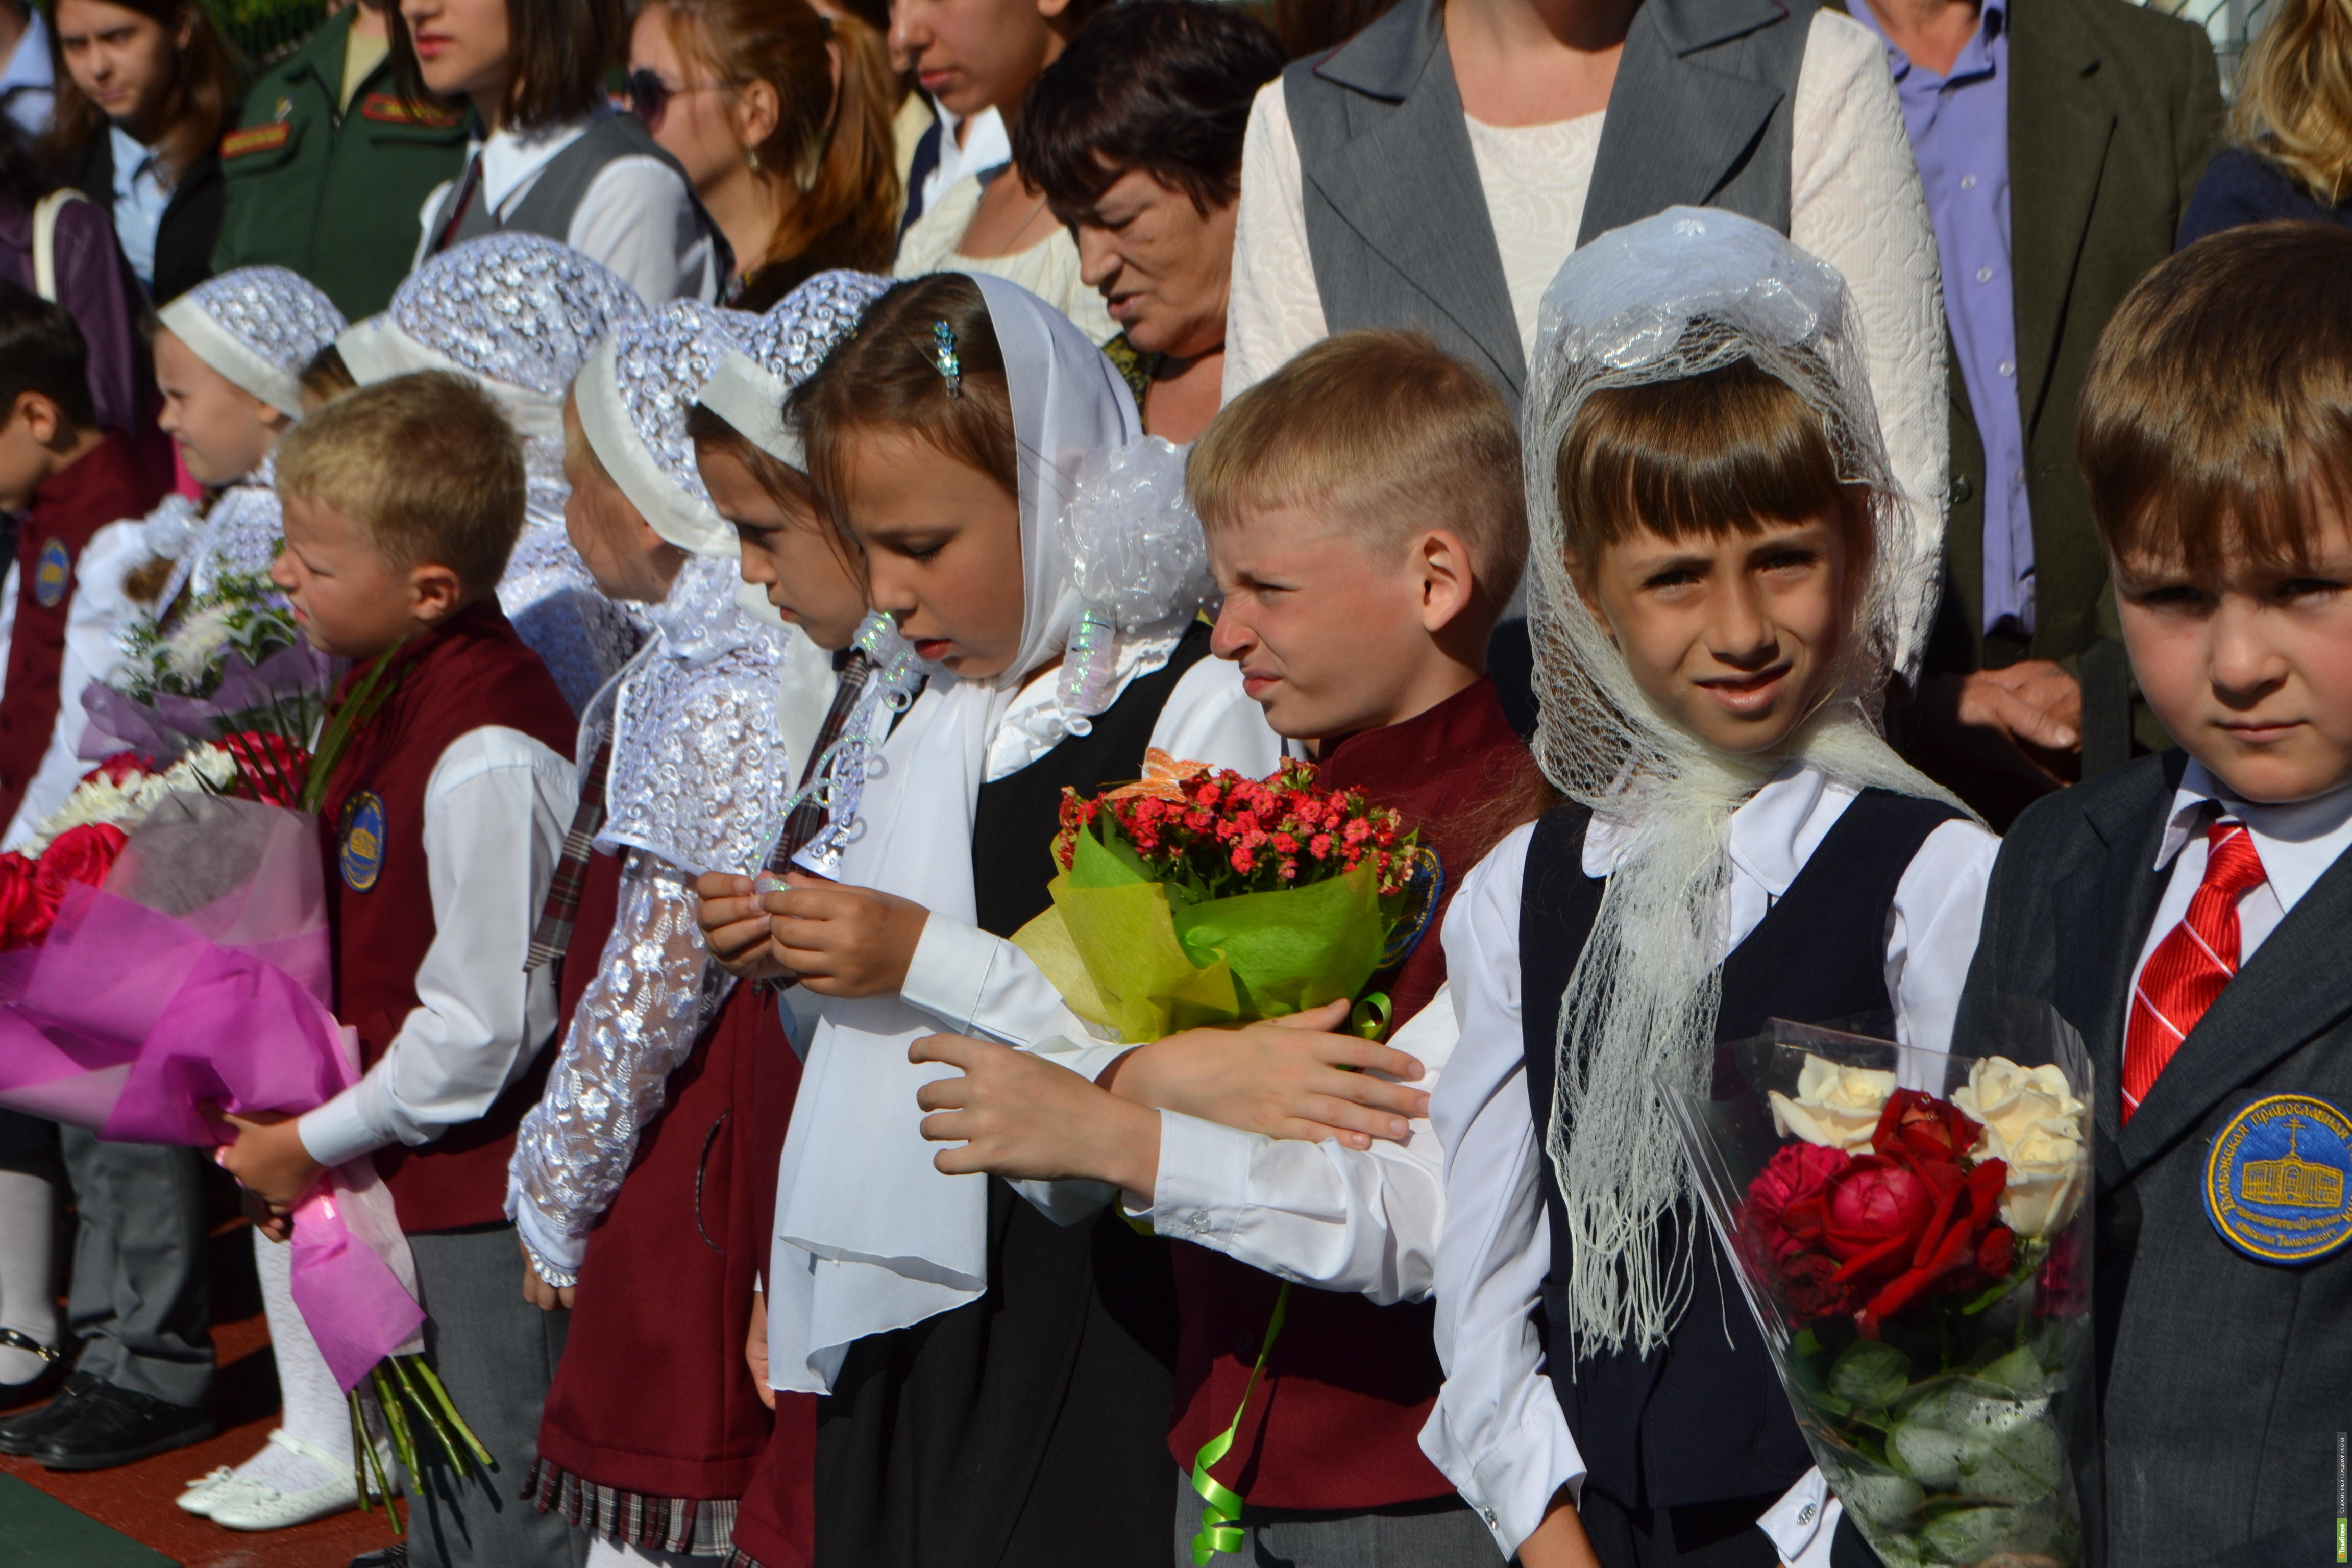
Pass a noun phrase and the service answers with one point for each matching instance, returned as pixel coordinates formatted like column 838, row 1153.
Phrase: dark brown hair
column 886, row 379
column 558, row 51
column 1164, row 86
column 1388, row 435
column 837, row 148
column 42, row 352
column 1704, row 456
column 202, row 92
column 2218, row 406
column 426, row 462
column 786, row 486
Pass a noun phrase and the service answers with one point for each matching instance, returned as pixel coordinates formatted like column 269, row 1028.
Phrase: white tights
column 28, row 1300
column 313, row 1408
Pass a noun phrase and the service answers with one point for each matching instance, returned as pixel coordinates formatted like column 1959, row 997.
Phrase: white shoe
column 207, row 1490
column 259, row 1506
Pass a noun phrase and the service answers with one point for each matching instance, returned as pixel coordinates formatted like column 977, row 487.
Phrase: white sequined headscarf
column 634, row 394
column 258, row 326
column 1672, row 297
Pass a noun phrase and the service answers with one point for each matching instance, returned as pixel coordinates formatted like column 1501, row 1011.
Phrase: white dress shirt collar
column 2298, row 842
column 512, row 159
column 1772, row 836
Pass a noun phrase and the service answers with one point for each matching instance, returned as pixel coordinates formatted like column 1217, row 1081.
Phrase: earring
column 752, row 159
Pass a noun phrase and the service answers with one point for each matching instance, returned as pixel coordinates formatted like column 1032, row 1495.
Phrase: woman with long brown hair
column 2290, row 126
column 144, row 88
column 781, row 116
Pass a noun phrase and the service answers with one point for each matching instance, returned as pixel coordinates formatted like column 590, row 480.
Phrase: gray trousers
column 141, row 1300
column 1441, row 1538
column 497, row 1354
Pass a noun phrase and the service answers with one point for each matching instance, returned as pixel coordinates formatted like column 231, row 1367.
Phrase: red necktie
column 2193, row 962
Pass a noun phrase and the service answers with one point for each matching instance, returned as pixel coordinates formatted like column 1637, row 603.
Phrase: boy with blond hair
column 1364, row 518
column 2187, row 912
column 442, row 827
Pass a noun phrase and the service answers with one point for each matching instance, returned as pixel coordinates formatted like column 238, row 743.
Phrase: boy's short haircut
column 427, row 463
column 42, row 351
column 1696, row 457
column 2219, row 407
column 1388, row 435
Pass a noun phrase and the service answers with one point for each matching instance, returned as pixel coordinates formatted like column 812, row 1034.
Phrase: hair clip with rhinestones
column 944, row 356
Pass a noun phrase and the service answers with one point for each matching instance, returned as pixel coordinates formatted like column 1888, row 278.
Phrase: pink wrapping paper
column 201, row 973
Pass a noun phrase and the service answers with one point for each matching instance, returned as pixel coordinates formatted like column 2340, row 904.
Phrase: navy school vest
column 1705, row 1420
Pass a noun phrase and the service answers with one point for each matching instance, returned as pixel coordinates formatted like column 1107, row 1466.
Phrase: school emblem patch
column 2275, row 1180
column 362, row 839
column 52, row 574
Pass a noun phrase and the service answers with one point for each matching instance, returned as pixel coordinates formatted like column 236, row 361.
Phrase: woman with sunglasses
column 781, row 119
column 550, row 155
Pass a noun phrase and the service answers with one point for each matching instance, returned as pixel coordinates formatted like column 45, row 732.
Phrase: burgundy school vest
column 107, row 485
column 1336, row 1422
column 473, row 672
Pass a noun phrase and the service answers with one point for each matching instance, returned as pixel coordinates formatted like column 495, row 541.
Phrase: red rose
column 1796, row 1175
column 1924, row 1127
column 84, row 854
column 21, row 922
column 119, row 766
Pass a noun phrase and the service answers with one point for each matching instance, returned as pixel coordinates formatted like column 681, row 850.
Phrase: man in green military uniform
column 329, row 165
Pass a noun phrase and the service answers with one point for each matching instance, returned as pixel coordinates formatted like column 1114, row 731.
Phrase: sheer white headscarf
column 870, row 1237
column 1672, row 297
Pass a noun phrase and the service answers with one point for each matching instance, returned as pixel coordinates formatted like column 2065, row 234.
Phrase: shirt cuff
column 950, row 970
column 553, row 1252
column 338, row 1131
column 1203, row 1181
column 1087, row 1057
column 1512, row 1488
column 1804, row 1522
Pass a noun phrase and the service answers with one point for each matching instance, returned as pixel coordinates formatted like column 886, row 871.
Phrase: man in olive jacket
column 2059, row 141
column 330, row 163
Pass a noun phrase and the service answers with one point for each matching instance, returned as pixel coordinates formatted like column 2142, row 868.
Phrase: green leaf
column 1870, row 1372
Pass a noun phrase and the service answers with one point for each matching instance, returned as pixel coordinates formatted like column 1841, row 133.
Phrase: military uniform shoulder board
column 388, row 108
column 2276, row 1180
column 52, row 574
column 256, row 139
column 361, row 859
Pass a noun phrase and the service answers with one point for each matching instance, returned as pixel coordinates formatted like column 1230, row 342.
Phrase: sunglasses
column 650, row 96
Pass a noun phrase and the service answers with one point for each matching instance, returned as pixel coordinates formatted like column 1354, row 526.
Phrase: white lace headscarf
column 869, row 1236
column 1676, row 296
column 258, row 326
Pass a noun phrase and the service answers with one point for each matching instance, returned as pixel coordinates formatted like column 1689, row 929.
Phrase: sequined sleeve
column 653, row 992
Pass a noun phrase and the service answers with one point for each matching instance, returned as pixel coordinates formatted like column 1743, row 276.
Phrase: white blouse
column 1497, row 1431
column 1048, row 269
column 1855, row 200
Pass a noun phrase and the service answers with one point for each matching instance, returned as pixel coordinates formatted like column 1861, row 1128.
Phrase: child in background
column 1000, row 1381
column 664, row 1115
column 1364, row 514
column 553, row 155
column 2187, row 912
column 1724, row 573
column 441, row 829
column 143, row 1380
column 518, row 314
column 228, row 354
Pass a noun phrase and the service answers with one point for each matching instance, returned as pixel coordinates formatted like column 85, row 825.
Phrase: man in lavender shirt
column 2058, row 143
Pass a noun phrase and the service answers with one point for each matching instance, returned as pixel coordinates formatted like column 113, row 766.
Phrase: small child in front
column 2187, row 912
column 441, row 826
column 1724, row 573
column 1363, row 513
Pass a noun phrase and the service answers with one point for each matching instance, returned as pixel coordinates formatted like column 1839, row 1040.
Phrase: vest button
column 1962, row 488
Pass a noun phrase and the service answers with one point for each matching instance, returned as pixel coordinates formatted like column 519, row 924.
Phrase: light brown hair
column 1700, row 455
column 426, row 463
column 203, row 93
column 885, row 380
column 836, row 148
column 2219, row 407
column 2294, row 102
column 1386, row 434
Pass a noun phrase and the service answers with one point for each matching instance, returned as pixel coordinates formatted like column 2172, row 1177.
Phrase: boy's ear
column 44, row 421
column 439, row 592
column 1448, row 581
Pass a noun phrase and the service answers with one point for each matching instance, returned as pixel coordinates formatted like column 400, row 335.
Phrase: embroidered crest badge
column 361, row 859
column 2275, row 1180
column 52, row 574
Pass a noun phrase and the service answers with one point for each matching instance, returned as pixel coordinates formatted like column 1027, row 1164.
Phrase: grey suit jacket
column 2225, row 1380
column 1397, row 225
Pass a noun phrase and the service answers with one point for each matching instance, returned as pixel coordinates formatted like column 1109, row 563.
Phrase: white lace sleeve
column 1275, row 310
column 654, row 990
column 1856, row 201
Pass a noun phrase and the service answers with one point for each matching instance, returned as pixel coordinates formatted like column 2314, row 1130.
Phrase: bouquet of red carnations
column 1912, row 1232
column 1199, row 896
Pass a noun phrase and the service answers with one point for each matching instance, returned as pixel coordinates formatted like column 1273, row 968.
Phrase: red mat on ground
column 138, row 1500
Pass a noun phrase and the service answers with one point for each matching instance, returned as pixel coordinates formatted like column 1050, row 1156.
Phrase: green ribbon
column 1220, row 1527
column 1369, row 1017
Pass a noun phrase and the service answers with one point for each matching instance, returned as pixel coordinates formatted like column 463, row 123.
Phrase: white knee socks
column 314, row 1409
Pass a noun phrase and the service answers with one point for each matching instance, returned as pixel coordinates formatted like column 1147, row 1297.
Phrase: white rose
column 1837, row 1107
column 2032, row 1121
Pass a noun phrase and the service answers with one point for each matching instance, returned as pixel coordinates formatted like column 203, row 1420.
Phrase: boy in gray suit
column 2188, row 911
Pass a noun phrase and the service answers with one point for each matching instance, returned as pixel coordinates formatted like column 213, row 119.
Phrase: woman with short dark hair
column 1135, row 137
column 550, row 155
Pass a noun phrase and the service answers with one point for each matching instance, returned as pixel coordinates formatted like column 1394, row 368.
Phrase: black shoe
column 21, row 1434
column 118, row 1427
column 393, row 1556
column 54, row 1365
